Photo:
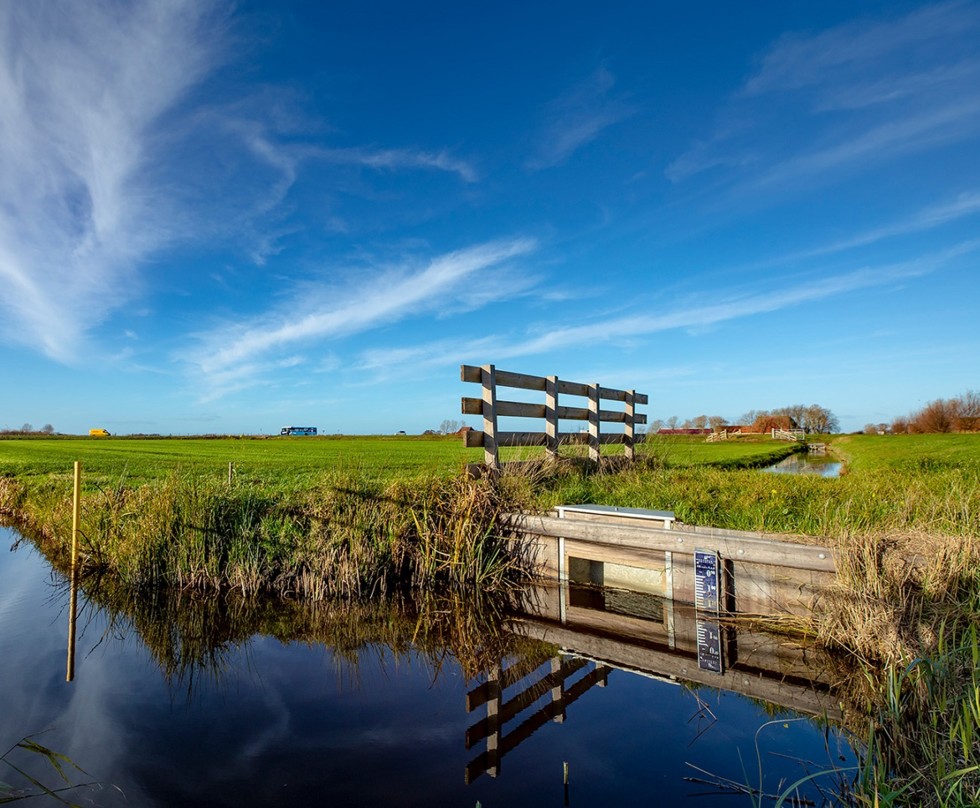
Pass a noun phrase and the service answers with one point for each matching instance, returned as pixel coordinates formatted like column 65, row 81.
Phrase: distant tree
column 27, row 428
column 968, row 411
column 797, row 412
column 716, row 422
column 449, row 426
column 870, row 429
column 820, row 420
column 752, row 416
column 700, row 422
column 672, row 422
column 900, row 425
column 657, row 425
column 936, row 416
column 47, row 429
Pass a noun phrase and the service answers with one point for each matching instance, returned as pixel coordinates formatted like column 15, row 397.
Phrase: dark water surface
column 196, row 702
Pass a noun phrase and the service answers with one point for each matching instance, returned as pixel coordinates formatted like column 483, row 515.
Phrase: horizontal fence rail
column 491, row 407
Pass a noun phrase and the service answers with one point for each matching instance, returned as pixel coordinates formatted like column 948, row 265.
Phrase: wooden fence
column 492, row 408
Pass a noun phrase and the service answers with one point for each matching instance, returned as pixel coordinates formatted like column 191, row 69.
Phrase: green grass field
column 281, row 462
column 270, row 461
column 910, row 453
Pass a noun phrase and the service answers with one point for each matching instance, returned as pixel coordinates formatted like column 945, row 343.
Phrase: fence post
column 551, row 417
column 630, row 430
column 491, row 452
column 595, row 444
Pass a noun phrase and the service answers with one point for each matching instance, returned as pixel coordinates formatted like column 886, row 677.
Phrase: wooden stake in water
column 72, row 614
column 73, row 604
column 75, row 511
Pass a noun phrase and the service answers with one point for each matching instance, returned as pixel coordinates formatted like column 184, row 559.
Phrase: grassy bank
column 341, row 534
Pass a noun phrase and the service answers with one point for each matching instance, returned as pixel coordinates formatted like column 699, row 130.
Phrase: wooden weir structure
column 599, row 634
column 633, row 589
column 650, row 551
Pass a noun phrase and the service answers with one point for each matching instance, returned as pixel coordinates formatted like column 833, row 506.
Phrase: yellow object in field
column 98, row 433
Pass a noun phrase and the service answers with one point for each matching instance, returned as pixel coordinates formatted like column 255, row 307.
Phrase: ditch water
column 817, row 465
column 192, row 701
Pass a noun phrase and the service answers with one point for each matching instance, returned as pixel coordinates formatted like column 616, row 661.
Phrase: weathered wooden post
column 558, row 691
column 75, row 513
column 73, row 602
column 493, row 721
column 630, row 430
column 595, row 444
column 491, row 451
column 72, row 619
column 551, row 417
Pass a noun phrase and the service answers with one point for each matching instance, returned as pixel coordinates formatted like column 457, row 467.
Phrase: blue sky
column 230, row 217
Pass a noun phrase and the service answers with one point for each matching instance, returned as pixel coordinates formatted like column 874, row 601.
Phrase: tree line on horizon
column 28, row 429
column 812, row 419
column 958, row 414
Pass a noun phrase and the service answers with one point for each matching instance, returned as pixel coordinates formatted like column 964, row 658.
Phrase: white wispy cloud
column 576, row 118
column 81, row 87
column 108, row 156
column 400, row 159
column 699, row 314
column 234, row 356
column 965, row 205
column 843, row 99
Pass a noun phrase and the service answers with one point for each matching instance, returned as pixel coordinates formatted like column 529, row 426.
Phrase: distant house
column 767, row 423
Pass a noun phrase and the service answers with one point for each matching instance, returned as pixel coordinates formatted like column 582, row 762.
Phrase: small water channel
column 217, row 701
column 809, row 464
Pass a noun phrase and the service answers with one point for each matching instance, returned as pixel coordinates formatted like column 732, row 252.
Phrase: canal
column 183, row 700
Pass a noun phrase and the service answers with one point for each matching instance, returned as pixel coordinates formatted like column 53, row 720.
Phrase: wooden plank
column 607, row 416
column 680, row 539
column 471, row 406
column 640, row 557
column 523, row 409
column 522, row 381
column 474, row 439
